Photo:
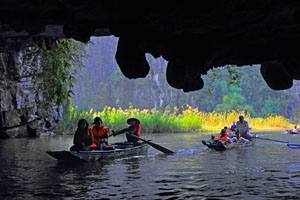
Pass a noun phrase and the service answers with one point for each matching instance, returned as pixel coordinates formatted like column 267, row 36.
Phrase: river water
column 267, row 170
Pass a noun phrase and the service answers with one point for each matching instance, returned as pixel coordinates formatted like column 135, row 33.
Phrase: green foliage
column 168, row 120
column 222, row 86
column 249, row 93
column 271, row 106
column 296, row 114
column 234, row 101
column 245, row 91
column 55, row 69
column 234, row 76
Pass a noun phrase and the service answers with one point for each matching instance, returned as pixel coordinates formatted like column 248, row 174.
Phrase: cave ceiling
column 193, row 36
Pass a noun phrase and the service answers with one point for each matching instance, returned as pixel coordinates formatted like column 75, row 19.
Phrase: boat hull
column 291, row 132
column 119, row 151
column 220, row 146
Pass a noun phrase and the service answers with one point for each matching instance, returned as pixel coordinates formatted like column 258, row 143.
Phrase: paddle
column 291, row 145
column 155, row 146
column 271, row 139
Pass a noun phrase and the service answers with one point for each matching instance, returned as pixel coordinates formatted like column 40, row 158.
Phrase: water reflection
column 266, row 170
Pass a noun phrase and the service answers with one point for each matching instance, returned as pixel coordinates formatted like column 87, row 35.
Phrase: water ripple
column 267, row 170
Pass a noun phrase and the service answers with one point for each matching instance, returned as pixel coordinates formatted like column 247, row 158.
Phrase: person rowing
column 133, row 129
column 243, row 128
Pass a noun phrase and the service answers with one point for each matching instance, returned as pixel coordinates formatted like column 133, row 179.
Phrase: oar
column 291, row 145
column 271, row 139
column 155, row 146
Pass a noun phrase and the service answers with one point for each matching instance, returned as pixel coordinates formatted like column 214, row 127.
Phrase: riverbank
column 169, row 120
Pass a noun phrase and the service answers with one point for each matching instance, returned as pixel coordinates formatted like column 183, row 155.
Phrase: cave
column 193, row 37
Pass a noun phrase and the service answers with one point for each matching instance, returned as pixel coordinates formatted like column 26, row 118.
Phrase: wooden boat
column 222, row 146
column 119, row 150
column 291, row 132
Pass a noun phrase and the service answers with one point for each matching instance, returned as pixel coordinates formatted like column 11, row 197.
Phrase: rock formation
column 22, row 113
column 192, row 36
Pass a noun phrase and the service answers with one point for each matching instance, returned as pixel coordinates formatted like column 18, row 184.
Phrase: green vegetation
column 102, row 88
column 170, row 120
column 60, row 64
column 54, row 69
column 226, row 88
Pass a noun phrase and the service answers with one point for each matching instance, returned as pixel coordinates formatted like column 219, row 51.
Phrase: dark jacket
column 83, row 138
column 135, row 130
column 132, row 130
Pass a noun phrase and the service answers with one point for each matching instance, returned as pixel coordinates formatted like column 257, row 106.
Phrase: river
column 267, row 170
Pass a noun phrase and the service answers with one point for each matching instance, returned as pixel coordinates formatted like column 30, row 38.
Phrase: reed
column 157, row 121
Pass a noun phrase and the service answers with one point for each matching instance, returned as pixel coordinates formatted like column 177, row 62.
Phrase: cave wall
column 192, row 36
column 21, row 114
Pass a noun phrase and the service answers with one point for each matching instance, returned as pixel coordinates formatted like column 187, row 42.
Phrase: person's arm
column 238, row 128
column 107, row 133
column 120, row 132
column 247, row 128
column 76, row 140
column 133, row 131
column 90, row 138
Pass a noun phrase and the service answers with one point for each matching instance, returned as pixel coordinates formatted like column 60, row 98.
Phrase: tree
column 234, row 101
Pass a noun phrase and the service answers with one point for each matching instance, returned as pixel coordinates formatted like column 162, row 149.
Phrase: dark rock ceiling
column 193, row 36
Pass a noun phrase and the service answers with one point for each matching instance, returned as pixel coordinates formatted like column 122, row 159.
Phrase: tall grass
column 156, row 121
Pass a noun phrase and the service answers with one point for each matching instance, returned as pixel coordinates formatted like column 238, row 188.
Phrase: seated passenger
column 239, row 139
column 233, row 127
column 295, row 130
column 133, row 129
column 229, row 132
column 100, row 133
column 83, row 137
column 213, row 140
column 225, row 129
column 224, row 137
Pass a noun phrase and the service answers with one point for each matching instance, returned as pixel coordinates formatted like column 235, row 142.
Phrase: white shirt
column 243, row 127
column 295, row 130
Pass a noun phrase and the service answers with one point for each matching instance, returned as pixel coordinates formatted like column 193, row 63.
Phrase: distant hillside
column 101, row 83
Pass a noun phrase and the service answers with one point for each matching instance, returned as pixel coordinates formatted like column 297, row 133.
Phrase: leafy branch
column 234, row 76
column 54, row 70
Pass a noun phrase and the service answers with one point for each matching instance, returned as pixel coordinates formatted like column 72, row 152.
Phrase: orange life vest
column 100, row 133
column 89, row 131
column 139, row 130
column 225, row 138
